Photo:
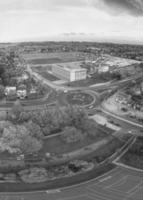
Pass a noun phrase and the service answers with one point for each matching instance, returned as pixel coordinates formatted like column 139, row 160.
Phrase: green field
column 43, row 61
column 58, row 146
column 134, row 156
column 51, row 58
column 87, row 82
column 43, row 71
column 48, row 76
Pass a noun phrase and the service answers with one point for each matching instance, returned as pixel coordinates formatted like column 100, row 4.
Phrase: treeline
column 54, row 120
column 11, row 66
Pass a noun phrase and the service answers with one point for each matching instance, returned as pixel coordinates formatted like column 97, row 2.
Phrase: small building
column 22, row 94
column 103, row 69
column 10, row 90
column 122, row 98
column 69, row 72
column 33, row 91
column 21, row 91
column 25, row 76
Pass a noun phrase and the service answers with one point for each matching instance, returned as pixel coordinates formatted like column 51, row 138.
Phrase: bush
column 33, row 175
column 30, row 145
column 71, row 134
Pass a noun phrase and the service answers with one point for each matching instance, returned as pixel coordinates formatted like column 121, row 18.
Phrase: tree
column 34, row 130
column 30, row 145
column 24, row 117
column 1, row 91
column 17, row 109
column 9, row 140
column 90, row 128
column 33, row 175
column 141, row 88
column 1, row 70
column 71, row 134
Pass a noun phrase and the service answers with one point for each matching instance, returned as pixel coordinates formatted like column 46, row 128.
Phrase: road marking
column 73, row 197
column 105, row 179
column 53, row 191
column 119, row 182
column 135, row 188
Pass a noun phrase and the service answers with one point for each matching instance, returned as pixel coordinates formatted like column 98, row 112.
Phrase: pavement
column 121, row 118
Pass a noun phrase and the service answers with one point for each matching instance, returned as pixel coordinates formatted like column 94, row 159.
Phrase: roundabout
column 81, row 98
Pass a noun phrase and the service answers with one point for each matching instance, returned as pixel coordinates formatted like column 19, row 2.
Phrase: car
column 130, row 131
column 90, row 106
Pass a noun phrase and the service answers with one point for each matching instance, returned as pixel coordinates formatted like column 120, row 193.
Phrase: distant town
column 71, row 112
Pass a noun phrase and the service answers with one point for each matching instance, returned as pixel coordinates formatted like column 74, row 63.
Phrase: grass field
column 134, row 156
column 50, row 58
column 43, row 71
column 48, row 76
column 45, row 61
column 54, row 144
column 42, row 68
column 86, row 82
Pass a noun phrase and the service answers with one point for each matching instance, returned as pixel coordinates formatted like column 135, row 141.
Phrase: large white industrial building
column 69, row 72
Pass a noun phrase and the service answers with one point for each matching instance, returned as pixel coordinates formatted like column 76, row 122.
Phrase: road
column 121, row 118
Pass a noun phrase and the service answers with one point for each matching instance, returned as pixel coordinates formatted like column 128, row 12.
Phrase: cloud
column 17, row 5
column 132, row 7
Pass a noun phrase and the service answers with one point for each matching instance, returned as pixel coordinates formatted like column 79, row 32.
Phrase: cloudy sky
column 105, row 20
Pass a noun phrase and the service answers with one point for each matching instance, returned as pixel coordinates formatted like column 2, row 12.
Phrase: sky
column 92, row 20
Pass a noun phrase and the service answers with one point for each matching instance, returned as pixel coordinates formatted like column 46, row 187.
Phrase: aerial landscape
column 71, row 100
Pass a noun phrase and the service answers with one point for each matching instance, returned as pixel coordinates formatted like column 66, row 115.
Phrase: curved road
column 121, row 118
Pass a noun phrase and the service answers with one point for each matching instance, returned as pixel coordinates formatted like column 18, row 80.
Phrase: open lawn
column 43, row 71
column 45, row 61
column 86, row 82
column 134, row 156
column 42, row 68
column 49, row 58
column 57, row 145
column 49, row 76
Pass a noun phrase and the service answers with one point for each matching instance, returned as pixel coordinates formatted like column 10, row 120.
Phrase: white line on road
column 105, row 179
column 53, row 191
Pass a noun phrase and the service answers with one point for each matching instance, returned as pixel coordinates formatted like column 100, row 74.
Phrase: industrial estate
column 71, row 121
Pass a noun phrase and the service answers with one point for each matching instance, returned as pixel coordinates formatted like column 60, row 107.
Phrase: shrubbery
column 71, row 134
column 35, row 174
column 19, row 139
